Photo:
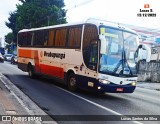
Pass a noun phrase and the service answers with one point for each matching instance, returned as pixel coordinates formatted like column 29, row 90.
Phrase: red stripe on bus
column 52, row 71
column 44, row 69
column 36, row 59
column 26, row 53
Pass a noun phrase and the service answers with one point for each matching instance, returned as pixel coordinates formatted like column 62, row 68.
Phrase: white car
column 7, row 57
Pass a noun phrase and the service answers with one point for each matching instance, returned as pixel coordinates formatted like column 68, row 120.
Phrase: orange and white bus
column 94, row 55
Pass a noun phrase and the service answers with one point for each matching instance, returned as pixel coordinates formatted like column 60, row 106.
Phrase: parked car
column 7, row 57
column 1, row 58
column 14, row 59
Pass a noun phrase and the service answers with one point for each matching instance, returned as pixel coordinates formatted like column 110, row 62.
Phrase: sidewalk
column 15, row 105
column 149, row 85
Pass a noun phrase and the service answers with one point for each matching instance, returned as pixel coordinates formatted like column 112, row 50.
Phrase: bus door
column 93, row 55
column 91, row 61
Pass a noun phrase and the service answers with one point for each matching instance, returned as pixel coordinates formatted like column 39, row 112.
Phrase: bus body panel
column 93, row 84
column 52, row 62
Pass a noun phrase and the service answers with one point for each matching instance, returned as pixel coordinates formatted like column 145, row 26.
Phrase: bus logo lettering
column 54, row 55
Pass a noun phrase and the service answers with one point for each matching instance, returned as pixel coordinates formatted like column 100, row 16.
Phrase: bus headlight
column 133, row 83
column 104, row 81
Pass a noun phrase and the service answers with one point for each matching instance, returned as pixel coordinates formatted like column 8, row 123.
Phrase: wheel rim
column 30, row 72
column 72, row 82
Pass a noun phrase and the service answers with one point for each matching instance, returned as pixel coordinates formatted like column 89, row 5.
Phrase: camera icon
column 6, row 118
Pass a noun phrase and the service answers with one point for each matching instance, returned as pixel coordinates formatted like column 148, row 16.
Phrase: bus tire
column 72, row 83
column 31, row 72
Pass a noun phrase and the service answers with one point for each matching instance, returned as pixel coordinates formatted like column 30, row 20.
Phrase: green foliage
column 12, row 25
column 36, row 13
column 9, row 38
column 8, row 48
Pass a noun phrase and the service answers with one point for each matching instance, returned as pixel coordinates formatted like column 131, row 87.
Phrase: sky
column 122, row 11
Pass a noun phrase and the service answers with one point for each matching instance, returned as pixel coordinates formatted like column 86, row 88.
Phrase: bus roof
column 96, row 22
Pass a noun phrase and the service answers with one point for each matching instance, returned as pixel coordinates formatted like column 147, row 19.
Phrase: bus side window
column 45, row 38
column 51, row 38
column 24, row 39
column 20, row 39
column 37, row 38
column 41, row 38
column 61, row 37
column 90, row 48
column 74, row 37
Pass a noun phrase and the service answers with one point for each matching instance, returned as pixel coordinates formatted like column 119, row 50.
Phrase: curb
column 30, row 107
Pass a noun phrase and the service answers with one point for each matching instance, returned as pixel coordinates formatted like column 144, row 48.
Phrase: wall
column 149, row 71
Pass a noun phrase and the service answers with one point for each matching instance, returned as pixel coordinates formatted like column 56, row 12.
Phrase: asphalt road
column 55, row 99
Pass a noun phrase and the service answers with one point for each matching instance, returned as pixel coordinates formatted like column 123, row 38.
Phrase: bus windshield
column 117, row 52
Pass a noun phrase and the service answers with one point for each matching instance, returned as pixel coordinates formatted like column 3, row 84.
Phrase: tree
column 36, row 13
column 9, row 38
column 12, row 25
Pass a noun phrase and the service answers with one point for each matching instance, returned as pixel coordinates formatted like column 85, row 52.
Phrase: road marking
column 96, row 104
column 150, row 98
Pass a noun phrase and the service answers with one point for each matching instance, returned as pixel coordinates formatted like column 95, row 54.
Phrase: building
column 148, row 36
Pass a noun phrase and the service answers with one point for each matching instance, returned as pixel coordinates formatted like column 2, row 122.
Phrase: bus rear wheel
column 72, row 83
column 30, row 71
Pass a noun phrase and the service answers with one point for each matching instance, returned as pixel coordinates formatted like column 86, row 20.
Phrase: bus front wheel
column 72, row 84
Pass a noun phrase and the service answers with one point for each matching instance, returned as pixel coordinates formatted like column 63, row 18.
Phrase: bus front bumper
column 113, row 88
column 94, row 85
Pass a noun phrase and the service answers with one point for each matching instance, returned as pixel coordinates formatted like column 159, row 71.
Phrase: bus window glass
column 114, row 47
column 119, row 53
column 74, row 38
column 45, row 38
column 40, row 38
column 20, row 39
column 37, row 38
column 24, row 39
column 61, row 35
column 51, row 38
column 130, row 47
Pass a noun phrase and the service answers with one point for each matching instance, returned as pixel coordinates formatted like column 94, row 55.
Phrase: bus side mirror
column 103, row 43
column 136, row 56
column 143, row 52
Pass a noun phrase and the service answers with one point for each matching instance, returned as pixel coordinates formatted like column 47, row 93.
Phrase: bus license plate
column 119, row 90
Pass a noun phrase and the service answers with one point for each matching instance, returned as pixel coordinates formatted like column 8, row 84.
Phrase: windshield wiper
column 117, row 66
column 124, row 64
